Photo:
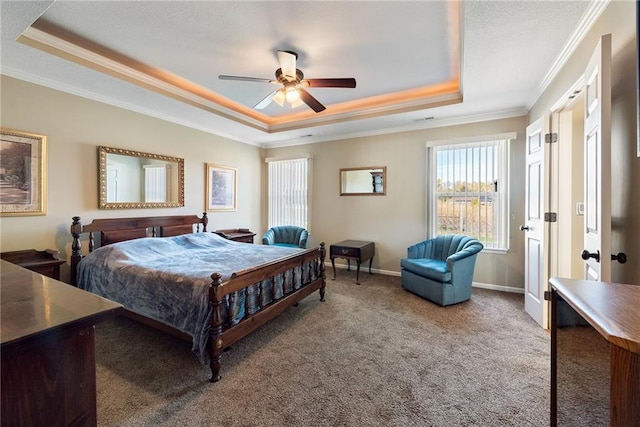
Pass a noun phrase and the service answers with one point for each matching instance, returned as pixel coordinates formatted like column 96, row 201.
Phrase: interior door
column 597, row 164
column 535, row 228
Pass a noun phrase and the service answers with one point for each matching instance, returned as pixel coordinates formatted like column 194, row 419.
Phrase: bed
column 171, row 274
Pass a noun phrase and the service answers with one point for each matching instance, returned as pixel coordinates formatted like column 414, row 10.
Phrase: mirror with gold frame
column 131, row 179
column 363, row 181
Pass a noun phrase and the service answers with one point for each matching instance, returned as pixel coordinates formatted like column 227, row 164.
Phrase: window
column 155, row 183
column 288, row 191
column 467, row 192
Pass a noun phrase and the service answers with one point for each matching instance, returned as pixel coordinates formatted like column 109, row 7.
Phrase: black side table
column 357, row 250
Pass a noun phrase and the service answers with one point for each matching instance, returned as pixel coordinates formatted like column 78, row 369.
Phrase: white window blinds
column 288, row 202
column 468, row 191
column 155, row 183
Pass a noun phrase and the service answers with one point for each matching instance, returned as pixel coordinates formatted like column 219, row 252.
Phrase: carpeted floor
column 370, row 355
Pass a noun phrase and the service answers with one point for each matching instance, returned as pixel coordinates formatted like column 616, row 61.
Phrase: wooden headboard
column 114, row 230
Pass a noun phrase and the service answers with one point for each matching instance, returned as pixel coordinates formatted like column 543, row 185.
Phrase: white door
column 597, row 164
column 536, row 203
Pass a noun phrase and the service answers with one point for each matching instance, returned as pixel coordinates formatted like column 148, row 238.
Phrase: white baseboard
column 500, row 288
column 364, row 268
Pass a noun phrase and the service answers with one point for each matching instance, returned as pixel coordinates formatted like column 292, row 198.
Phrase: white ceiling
column 496, row 55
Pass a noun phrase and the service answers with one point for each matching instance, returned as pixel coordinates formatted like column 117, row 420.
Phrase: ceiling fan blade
column 347, row 82
column 246, row 79
column 287, row 61
column 266, row 100
column 311, row 101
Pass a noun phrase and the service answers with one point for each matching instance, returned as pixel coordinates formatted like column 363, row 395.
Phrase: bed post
column 215, row 333
column 323, row 253
column 76, row 254
column 205, row 221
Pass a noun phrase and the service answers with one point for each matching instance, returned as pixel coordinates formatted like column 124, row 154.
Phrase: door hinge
column 551, row 138
column 550, row 217
column 547, row 295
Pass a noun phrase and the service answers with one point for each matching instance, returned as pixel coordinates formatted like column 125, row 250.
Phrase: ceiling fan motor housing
column 283, row 79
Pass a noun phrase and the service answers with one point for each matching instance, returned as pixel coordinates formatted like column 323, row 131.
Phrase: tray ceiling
column 453, row 61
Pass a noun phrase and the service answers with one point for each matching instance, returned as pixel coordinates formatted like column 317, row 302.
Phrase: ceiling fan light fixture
column 279, row 98
column 297, row 103
column 293, row 84
column 292, row 94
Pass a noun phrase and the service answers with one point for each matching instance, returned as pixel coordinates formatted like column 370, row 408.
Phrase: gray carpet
column 370, row 355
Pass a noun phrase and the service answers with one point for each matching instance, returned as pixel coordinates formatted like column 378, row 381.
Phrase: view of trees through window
column 467, row 191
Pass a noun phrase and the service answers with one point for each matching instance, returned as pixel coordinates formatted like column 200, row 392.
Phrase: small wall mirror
column 131, row 179
column 365, row 181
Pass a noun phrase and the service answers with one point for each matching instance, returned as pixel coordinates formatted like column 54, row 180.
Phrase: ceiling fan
column 293, row 84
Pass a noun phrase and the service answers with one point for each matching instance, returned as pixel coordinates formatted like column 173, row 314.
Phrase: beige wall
column 618, row 19
column 75, row 126
column 397, row 220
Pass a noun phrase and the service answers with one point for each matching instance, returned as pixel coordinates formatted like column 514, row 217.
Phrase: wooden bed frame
column 114, row 230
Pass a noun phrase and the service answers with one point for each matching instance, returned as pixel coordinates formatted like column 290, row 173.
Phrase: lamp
column 289, row 94
column 292, row 94
column 280, row 97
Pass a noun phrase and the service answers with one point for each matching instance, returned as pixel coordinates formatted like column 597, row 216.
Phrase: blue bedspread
column 167, row 279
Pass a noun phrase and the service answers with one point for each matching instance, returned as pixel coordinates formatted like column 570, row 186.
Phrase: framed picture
column 23, row 160
column 220, row 188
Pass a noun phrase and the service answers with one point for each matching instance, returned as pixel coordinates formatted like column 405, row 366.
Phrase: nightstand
column 237, row 234
column 43, row 262
column 357, row 250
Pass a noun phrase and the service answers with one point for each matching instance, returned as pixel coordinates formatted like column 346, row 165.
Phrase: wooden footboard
column 309, row 262
column 220, row 338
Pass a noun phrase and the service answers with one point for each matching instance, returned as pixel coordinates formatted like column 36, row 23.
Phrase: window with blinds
column 288, row 190
column 155, row 183
column 468, row 191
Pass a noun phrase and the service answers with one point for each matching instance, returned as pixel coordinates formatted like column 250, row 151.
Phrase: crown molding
column 50, row 38
column 72, row 90
column 436, row 123
column 593, row 12
column 58, row 42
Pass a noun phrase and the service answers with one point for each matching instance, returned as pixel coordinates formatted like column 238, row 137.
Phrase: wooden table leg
column 333, row 263
column 370, row 261
column 358, row 274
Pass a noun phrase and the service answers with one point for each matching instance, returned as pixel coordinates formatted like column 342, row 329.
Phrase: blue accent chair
column 441, row 269
column 286, row 235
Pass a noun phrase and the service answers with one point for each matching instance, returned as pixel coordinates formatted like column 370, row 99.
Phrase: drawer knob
column 345, row 251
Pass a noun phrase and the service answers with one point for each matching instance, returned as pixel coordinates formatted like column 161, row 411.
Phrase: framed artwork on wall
column 23, row 163
column 220, row 188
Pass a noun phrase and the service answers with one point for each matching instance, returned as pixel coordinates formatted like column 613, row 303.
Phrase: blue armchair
column 286, row 235
column 441, row 269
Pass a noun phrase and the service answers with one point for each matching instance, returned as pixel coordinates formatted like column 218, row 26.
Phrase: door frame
column 553, row 257
column 561, row 106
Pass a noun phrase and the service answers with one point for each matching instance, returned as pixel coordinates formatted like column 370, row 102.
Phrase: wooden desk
column 237, row 234
column 613, row 310
column 47, row 350
column 43, row 262
column 357, row 250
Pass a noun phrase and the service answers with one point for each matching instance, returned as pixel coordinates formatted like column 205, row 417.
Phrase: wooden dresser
column 613, row 310
column 47, row 350
column 237, row 234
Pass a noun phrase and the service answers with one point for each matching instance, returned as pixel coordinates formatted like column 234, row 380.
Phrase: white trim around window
column 468, row 189
column 289, row 191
